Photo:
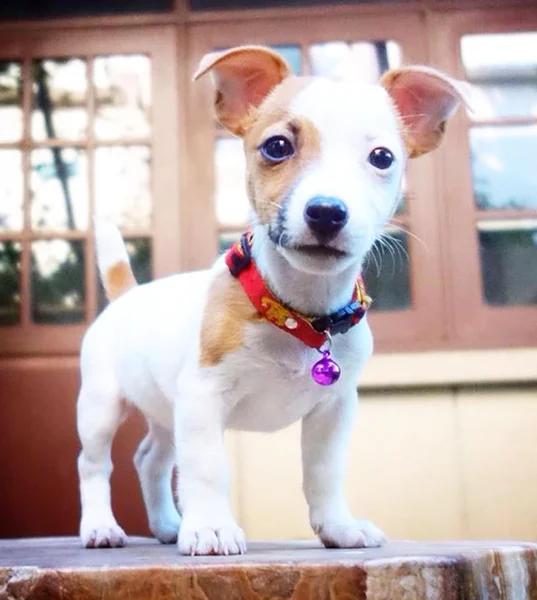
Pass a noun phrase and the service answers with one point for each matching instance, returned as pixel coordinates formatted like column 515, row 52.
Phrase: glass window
column 293, row 55
column 503, row 167
column 52, row 171
column 11, row 190
column 59, row 102
column 58, row 289
column 10, row 271
column 10, row 101
column 123, row 185
column 123, row 97
column 509, row 258
column 386, row 273
column 59, row 189
column 503, row 71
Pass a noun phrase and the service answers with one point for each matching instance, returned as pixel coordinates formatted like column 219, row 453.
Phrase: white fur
column 144, row 350
column 337, row 110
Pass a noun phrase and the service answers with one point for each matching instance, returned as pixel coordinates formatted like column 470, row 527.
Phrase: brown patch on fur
column 228, row 311
column 268, row 184
column 119, row 279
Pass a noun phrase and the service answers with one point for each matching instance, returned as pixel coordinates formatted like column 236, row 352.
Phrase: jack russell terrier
column 276, row 330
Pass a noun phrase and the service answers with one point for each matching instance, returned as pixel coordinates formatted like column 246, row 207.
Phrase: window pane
column 10, row 257
column 508, row 261
column 11, row 190
column 10, row 101
column 139, row 250
column 387, row 274
column 232, row 205
column 123, row 186
column 365, row 61
column 59, row 103
column 293, row 55
column 123, row 96
column 59, row 189
column 503, row 71
column 503, row 167
column 58, row 290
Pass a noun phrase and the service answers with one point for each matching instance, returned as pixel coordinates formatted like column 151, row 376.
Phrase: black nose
column 325, row 216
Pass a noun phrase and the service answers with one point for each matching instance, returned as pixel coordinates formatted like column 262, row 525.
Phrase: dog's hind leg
column 100, row 412
column 154, row 462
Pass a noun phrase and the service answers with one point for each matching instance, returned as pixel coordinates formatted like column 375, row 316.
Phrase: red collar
column 310, row 330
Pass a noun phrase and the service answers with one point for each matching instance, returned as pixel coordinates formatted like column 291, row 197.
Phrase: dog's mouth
column 320, row 251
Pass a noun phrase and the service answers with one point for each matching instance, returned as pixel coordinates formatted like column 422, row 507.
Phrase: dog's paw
column 350, row 534
column 206, row 540
column 166, row 530
column 103, row 536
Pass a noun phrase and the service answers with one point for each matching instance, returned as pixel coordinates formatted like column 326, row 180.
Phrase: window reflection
column 503, row 71
column 123, row 96
column 508, row 257
column 59, row 99
column 10, row 265
column 387, row 274
column 59, row 189
column 10, row 101
column 123, row 185
column 503, row 170
column 58, row 290
column 11, row 190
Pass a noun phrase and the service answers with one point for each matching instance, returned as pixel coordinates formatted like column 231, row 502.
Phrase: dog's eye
column 276, row 149
column 381, row 158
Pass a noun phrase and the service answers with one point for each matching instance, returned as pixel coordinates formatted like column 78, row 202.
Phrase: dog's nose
column 325, row 216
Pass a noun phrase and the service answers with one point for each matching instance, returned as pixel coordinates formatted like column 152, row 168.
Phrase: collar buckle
column 340, row 321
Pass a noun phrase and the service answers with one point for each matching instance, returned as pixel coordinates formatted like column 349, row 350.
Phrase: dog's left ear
column 425, row 99
column 243, row 77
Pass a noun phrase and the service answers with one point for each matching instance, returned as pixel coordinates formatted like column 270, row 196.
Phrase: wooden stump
column 58, row 568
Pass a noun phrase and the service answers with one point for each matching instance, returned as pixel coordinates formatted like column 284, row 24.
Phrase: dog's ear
column 243, row 77
column 425, row 100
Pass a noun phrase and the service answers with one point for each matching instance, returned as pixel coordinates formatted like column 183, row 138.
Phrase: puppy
column 276, row 330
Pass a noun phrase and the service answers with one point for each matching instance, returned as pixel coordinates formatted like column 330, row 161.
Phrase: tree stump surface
column 58, row 568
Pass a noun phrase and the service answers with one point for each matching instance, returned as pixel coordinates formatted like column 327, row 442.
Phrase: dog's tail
column 112, row 259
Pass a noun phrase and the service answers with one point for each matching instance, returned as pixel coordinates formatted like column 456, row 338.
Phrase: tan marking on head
column 119, row 279
column 268, row 184
column 227, row 312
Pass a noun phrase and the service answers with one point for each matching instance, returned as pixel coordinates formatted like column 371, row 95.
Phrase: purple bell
column 326, row 371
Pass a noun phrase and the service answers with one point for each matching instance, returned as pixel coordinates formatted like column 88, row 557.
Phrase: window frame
column 473, row 323
column 448, row 312
column 160, row 44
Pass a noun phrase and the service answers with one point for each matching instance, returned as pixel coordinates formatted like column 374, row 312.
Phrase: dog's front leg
column 207, row 526
column 325, row 436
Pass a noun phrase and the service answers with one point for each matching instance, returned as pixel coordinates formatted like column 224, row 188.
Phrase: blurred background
column 98, row 115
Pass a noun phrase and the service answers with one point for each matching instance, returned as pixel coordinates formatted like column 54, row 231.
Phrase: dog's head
column 325, row 157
